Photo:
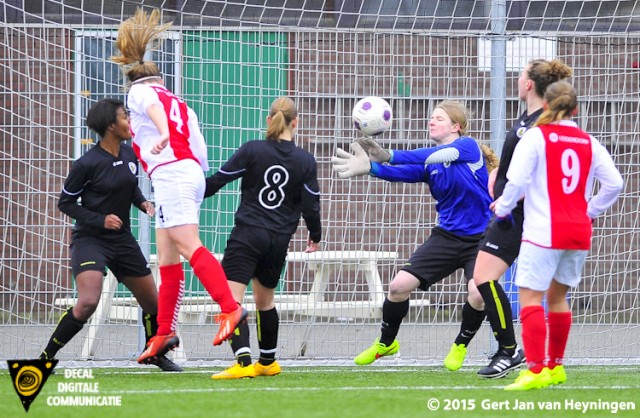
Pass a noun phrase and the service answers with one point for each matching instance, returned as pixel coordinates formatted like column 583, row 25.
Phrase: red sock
column 170, row 297
column 559, row 327
column 534, row 336
column 212, row 277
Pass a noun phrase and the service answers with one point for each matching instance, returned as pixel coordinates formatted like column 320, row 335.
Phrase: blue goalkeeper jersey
column 457, row 177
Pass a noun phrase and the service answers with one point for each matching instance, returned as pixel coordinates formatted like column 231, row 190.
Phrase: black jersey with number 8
column 279, row 182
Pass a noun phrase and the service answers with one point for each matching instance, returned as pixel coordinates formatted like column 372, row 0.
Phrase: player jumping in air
column 168, row 142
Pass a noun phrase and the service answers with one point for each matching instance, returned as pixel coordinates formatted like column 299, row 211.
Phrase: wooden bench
column 324, row 264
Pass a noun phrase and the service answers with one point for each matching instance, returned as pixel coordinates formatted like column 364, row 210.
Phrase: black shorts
column 255, row 253
column 441, row 255
column 120, row 253
column 504, row 244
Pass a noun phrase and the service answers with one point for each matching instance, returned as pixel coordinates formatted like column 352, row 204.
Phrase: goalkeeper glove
column 375, row 151
column 350, row 165
column 506, row 222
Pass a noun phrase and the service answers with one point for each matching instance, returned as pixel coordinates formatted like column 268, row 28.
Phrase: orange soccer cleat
column 158, row 346
column 228, row 322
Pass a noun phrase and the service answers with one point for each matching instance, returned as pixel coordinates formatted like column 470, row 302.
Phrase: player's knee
column 475, row 300
column 474, row 297
column 402, row 285
column 557, row 303
column 399, row 292
column 85, row 307
column 480, row 280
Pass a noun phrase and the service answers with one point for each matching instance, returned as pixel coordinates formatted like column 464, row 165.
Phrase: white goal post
column 229, row 60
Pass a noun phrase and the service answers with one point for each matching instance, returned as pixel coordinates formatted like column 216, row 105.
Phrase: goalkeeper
column 457, row 174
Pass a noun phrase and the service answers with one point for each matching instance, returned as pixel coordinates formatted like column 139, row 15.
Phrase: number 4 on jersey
column 174, row 115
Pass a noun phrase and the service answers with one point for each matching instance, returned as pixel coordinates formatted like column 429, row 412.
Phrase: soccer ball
column 372, row 116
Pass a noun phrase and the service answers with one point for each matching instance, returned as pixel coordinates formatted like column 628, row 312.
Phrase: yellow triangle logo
column 28, row 377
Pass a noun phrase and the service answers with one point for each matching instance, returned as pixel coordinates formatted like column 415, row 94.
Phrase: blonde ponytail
column 561, row 99
column 283, row 111
column 135, row 35
column 490, row 157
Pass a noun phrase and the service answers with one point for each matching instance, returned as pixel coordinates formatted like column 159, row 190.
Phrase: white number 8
column 571, row 170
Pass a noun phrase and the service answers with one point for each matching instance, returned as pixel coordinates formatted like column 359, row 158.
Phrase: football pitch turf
column 371, row 391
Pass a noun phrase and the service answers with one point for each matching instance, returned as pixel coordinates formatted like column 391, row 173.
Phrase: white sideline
column 324, row 264
column 345, row 388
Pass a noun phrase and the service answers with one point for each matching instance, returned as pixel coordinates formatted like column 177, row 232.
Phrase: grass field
column 378, row 391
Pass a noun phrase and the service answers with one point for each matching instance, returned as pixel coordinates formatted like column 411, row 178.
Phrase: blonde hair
column 544, row 73
column 460, row 115
column 457, row 113
column 562, row 100
column 134, row 36
column 283, row 111
column 490, row 157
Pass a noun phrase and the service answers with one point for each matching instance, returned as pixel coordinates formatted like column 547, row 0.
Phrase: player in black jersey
column 105, row 178
column 501, row 243
column 279, row 182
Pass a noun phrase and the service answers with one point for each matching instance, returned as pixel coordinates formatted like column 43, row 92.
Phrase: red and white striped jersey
column 185, row 138
column 553, row 168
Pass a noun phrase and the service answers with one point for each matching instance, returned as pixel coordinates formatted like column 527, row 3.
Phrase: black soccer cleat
column 166, row 365
column 502, row 363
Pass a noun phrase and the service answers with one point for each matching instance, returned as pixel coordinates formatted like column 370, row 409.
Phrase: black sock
column 498, row 310
column 240, row 345
column 67, row 328
column 471, row 323
column 268, row 324
column 392, row 315
column 150, row 324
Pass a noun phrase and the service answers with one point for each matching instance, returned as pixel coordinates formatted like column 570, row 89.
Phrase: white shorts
column 537, row 266
column 179, row 189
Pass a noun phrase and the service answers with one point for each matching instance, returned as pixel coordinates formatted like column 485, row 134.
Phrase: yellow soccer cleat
column 376, row 351
column 558, row 374
column 235, row 372
column 270, row 370
column 456, row 356
column 528, row 380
